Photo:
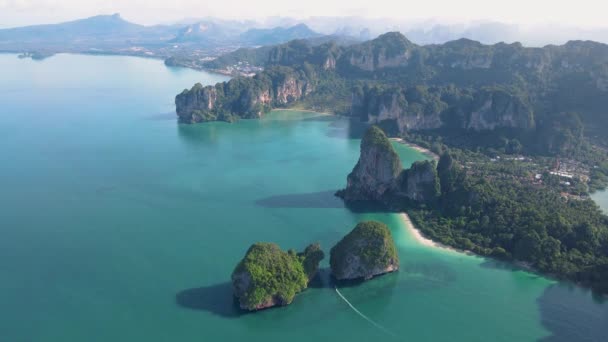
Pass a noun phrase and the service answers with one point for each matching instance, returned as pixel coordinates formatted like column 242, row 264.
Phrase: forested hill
column 502, row 98
column 519, row 119
column 461, row 84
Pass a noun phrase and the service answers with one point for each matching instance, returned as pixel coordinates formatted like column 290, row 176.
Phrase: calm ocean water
column 118, row 224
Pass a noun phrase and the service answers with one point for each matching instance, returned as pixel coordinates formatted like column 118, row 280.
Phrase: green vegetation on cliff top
column 273, row 274
column 371, row 241
column 496, row 210
column 527, row 87
column 376, row 138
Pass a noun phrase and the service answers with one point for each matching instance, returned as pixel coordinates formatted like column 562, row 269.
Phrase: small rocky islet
column 367, row 251
column 268, row 276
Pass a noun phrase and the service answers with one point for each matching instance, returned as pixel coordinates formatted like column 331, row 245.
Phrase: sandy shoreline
column 423, row 240
column 417, row 148
column 409, row 225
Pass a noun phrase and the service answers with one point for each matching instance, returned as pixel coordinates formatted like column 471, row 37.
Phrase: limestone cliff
column 329, row 63
column 454, row 86
column 378, row 175
column 197, row 104
column 389, row 50
column 414, row 108
column 243, row 97
column 376, row 171
column 420, row 182
column 290, row 90
column 421, row 107
column 367, row 251
column 499, row 109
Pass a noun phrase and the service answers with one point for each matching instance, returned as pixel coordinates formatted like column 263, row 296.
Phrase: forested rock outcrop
column 242, row 97
column 390, row 50
column 379, row 176
column 367, row 251
column 494, row 212
column 497, row 108
column 268, row 276
column 377, row 170
column 423, row 108
column 420, row 182
column 414, row 108
column 461, row 84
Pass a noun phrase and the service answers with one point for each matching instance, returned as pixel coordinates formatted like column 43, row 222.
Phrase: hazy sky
column 583, row 13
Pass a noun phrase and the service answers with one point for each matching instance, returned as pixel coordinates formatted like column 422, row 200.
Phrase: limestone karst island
column 268, row 276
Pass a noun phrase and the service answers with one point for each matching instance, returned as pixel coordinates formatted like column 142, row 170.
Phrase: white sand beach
column 409, row 225
column 417, row 148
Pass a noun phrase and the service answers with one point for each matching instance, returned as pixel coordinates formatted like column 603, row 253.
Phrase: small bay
column 118, row 224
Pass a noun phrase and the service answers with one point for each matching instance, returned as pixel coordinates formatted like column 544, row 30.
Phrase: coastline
column 295, row 109
column 421, row 239
column 418, row 148
column 126, row 54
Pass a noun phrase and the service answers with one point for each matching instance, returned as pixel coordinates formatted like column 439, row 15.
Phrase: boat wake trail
column 362, row 315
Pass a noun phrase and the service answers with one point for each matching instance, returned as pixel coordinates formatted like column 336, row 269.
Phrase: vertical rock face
column 377, row 169
column 197, row 104
column 248, row 98
column 420, row 108
column 363, row 61
column 378, row 175
column 420, row 182
column 567, row 78
column 376, row 105
column 330, row 63
column 291, row 90
column 367, row 251
column 497, row 108
column 389, row 50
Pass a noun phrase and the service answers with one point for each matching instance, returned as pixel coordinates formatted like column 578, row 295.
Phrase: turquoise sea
column 601, row 198
column 118, row 224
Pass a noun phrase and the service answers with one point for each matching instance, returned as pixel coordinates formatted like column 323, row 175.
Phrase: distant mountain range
column 95, row 30
column 268, row 36
column 112, row 31
column 193, row 42
column 206, row 32
column 433, row 31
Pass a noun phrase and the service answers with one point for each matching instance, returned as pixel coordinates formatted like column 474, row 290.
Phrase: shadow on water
column 321, row 118
column 162, row 117
column 324, row 280
column 414, row 276
column 216, row 299
column 196, row 135
column 322, row 199
column 571, row 313
column 219, row 300
column 367, row 207
column 507, row 266
column 347, row 129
